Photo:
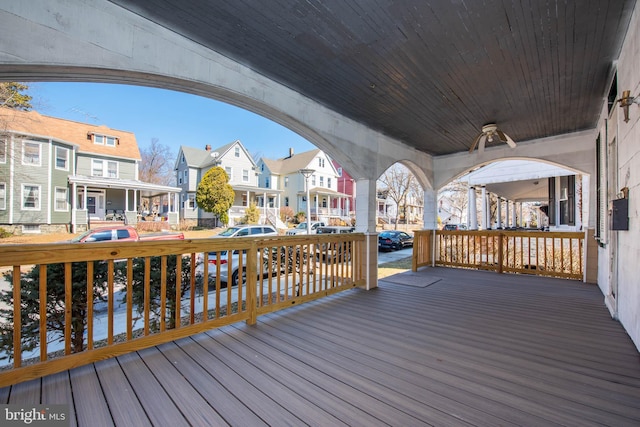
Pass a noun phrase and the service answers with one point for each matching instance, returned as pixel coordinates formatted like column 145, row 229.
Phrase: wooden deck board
column 475, row 348
column 261, row 401
column 116, row 389
column 152, row 397
column 56, row 390
column 212, row 403
column 89, row 401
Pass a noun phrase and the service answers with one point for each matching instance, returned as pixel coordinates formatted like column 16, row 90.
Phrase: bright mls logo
column 36, row 415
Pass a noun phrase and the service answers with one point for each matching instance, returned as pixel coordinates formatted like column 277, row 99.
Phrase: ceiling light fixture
column 625, row 102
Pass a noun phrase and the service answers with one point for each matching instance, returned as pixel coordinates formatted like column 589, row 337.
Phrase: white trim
column 39, row 144
column 38, row 199
column 3, row 200
column 66, row 199
column 55, row 160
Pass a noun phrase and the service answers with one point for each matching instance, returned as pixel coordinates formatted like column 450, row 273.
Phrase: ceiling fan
column 489, row 132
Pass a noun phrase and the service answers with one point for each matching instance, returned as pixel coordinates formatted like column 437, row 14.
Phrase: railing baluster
column 90, row 298
column 129, row 299
column 110, row 312
column 17, row 318
column 68, row 298
column 147, row 295
column 43, row 312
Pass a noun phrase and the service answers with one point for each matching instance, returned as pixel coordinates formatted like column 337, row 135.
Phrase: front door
column 95, row 205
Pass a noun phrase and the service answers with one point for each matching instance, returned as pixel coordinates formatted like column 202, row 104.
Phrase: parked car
column 454, row 227
column 248, row 230
column 394, row 240
column 336, row 251
column 236, row 231
column 122, row 233
column 302, row 228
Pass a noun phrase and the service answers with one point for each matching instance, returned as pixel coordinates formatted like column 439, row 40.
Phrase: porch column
column 483, row 206
column 522, row 223
column 126, row 199
column 366, row 223
column 473, row 212
column 135, row 200
column 506, row 213
column 499, row 213
column 514, row 211
column 430, row 217
column 316, row 205
column 74, row 206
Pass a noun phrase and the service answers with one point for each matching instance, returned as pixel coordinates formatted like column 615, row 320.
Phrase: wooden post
column 500, row 251
column 252, row 274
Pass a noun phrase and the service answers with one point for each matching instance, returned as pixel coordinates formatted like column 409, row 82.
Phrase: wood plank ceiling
column 429, row 73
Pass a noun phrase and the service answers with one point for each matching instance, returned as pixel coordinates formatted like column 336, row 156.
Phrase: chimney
column 290, row 151
column 207, row 147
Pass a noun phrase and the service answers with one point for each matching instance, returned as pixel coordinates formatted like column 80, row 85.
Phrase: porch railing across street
column 74, row 304
column 557, row 254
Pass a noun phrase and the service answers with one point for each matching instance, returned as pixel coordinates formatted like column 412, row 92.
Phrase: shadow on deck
column 437, row 347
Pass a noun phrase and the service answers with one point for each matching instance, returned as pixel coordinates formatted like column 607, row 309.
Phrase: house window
column 286, row 181
column 182, row 160
column 186, row 175
column 328, row 182
column 566, row 201
column 228, row 170
column 62, row 158
column 61, row 200
column 322, row 181
column 320, row 162
column 286, row 201
column 179, row 181
column 191, row 201
column 109, row 141
column 340, row 172
column 266, row 182
column 245, row 175
column 112, row 169
column 3, row 196
column 237, row 152
column 31, row 153
column 313, row 180
column 97, row 168
column 30, row 197
column 262, row 167
column 3, row 151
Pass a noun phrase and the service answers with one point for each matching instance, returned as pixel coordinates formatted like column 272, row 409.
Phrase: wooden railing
column 557, row 254
column 71, row 304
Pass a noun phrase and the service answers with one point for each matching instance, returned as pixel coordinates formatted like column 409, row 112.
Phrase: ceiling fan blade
column 473, row 146
column 483, row 139
column 506, row 138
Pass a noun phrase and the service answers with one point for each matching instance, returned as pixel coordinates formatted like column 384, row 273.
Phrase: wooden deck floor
column 446, row 348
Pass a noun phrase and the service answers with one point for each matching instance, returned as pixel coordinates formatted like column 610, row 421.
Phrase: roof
column 75, row 133
column 291, row 164
column 202, row 158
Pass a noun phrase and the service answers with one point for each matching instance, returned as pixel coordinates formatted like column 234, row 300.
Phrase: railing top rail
column 50, row 253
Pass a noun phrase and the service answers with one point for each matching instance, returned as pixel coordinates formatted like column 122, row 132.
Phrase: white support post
column 366, row 223
column 499, row 213
column 473, row 212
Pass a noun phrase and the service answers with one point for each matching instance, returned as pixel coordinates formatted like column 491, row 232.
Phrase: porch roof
column 146, row 189
column 436, row 347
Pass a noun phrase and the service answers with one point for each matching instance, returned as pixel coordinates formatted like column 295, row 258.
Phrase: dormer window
column 109, row 141
column 237, row 152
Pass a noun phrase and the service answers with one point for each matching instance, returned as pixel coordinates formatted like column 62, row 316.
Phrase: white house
column 191, row 165
column 283, row 176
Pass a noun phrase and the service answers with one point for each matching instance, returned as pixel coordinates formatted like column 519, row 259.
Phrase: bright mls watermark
column 35, row 415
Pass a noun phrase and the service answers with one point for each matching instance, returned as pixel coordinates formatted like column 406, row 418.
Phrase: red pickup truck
column 123, row 233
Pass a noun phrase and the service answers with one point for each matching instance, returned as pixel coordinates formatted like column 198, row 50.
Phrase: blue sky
column 174, row 118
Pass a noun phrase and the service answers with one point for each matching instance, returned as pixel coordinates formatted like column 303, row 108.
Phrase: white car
column 302, row 228
column 236, row 231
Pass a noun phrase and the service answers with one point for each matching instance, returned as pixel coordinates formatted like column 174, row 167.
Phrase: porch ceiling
column 427, row 73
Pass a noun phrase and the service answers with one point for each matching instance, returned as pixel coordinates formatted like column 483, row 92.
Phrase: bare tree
column 397, row 182
column 453, row 200
column 156, row 166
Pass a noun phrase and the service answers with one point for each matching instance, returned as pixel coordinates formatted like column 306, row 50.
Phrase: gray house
column 60, row 175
